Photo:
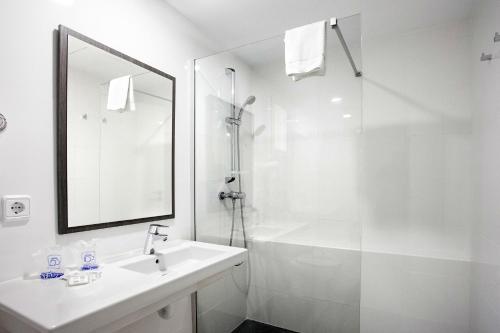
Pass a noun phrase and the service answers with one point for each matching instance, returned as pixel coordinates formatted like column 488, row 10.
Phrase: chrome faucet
column 155, row 231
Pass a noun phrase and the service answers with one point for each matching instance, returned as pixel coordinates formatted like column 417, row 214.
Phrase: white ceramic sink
column 129, row 289
column 176, row 259
column 144, row 266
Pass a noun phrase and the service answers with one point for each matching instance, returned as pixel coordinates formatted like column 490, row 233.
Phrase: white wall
column 84, row 98
column 305, row 230
column 307, row 151
column 290, row 128
column 416, row 168
column 135, row 159
column 408, row 153
column 417, row 126
column 147, row 30
column 485, row 310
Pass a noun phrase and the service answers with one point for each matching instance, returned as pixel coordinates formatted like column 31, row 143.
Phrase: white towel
column 121, row 91
column 131, row 98
column 305, row 50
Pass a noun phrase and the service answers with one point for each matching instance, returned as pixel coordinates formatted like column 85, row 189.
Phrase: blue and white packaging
column 87, row 255
column 49, row 262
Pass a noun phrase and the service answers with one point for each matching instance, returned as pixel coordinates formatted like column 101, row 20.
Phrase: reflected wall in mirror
column 115, row 137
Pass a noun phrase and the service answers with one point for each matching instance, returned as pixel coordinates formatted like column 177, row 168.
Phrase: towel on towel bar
column 305, row 50
column 121, row 91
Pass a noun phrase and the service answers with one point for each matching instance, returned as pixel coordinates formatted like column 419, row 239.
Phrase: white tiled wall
column 416, row 169
column 305, row 226
column 304, row 288
column 485, row 294
column 83, row 147
column 394, row 179
column 312, row 176
column 101, row 146
column 135, row 159
column 416, row 165
column 405, row 294
column 400, row 169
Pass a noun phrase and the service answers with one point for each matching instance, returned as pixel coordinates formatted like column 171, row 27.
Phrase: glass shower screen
column 298, row 146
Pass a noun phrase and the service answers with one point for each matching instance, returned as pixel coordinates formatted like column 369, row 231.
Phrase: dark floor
column 250, row 326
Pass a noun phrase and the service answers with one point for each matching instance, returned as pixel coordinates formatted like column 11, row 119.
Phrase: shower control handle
column 233, row 195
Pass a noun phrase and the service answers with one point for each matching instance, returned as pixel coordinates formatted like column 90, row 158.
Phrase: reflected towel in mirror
column 121, row 92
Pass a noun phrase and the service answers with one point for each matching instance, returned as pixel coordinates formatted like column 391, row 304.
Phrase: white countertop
column 50, row 306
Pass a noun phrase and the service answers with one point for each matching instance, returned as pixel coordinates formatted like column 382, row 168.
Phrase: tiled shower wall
column 416, row 169
column 406, row 174
column 305, row 249
column 485, row 305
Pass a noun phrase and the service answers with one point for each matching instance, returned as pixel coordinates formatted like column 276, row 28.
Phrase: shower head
column 250, row 100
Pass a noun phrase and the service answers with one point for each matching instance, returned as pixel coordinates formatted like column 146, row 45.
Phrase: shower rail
column 335, row 26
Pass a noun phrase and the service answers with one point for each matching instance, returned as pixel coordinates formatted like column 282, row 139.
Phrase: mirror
column 115, row 137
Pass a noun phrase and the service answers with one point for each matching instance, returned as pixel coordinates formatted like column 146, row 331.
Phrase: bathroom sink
column 188, row 257
column 176, row 259
column 148, row 265
column 130, row 288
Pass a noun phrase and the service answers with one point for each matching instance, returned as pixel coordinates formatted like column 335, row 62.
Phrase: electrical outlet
column 16, row 208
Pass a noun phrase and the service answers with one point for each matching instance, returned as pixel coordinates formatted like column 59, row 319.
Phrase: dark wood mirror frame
column 62, row 172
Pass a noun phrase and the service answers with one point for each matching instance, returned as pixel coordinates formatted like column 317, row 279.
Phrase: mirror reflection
column 119, row 138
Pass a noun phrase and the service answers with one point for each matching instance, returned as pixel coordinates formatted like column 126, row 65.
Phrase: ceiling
column 233, row 23
column 385, row 17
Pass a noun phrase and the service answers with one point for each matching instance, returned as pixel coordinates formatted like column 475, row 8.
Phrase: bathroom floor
column 250, row 326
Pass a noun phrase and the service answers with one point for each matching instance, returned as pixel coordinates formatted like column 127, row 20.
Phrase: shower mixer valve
column 233, row 195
